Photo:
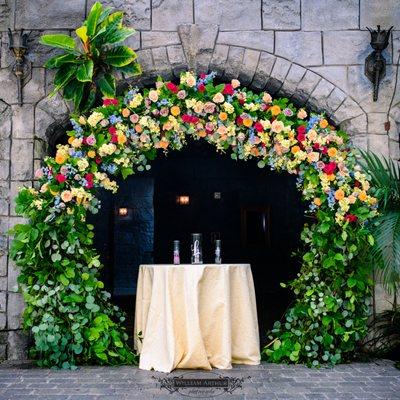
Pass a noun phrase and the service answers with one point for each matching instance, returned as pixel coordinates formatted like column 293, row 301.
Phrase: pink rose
column 134, row 118
column 91, row 140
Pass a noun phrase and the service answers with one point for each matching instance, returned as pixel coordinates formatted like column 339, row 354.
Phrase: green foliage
column 88, row 63
column 67, row 310
column 385, row 179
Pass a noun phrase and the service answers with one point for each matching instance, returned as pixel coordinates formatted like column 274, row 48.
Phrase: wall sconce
column 375, row 63
column 18, row 44
column 183, row 200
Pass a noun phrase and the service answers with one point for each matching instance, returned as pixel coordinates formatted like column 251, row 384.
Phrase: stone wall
column 312, row 50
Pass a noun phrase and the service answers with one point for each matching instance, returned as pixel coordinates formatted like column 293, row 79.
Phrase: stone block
column 360, row 141
column 15, row 308
column 3, row 302
column 44, row 14
column 278, row 75
column 4, row 15
column 258, row 40
column 347, row 47
column 177, row 59
column 22, row 159
column 3, row 323
column 263, row 71
column 293, row 78
column 237, row 16
column 34, row 88
column 378, row 144
column 39, row 149
column 17, row 345
column 320, row 94
column 3, row 284
column 234, row 62
column 5, row 147
column 396, row 46
column 394, row 149
column 374, row 12
column 22, row 120
column 13, row 272
column 6, row 57
column 303, row 48
column 376, row 124
column 249, row 66
column 281, row 14
column 161, row 62
column 134, row 41
column 5, row 121
column 4, row 169
column 167, row 15
column 219, row 58
column 335, row 99
column 306, row 87
column 198, row 42
column 355, row 126
column 334, row 74
column 347, row 110
column 3, row 263
column 156, row 39
column 4, row 207
column 8, row 86
column 145, row 59
column 329, row 15
column 137, row 13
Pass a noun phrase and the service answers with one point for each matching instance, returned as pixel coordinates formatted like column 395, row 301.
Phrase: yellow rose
column 175, row 111
column 223, row 116
column 275, row 110
column 190, row 80
column 61, row 157
column 323, row 123
column 248, row 122
column 339, row 194
column 277, row 126
column 121, row 138
column 362, row 195
column 91, row 154
column 153, row 95
column 295, row 149
column 332, row 151
column 317, row 201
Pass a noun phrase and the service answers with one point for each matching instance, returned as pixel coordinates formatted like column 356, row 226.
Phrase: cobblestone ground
column 372, row 380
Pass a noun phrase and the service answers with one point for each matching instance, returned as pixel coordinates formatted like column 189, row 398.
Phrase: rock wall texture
column 311, row 50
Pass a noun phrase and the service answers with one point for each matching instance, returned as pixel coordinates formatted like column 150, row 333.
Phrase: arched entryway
column 257, row 213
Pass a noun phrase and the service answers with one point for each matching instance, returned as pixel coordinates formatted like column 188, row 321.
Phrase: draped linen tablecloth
column 196, row 316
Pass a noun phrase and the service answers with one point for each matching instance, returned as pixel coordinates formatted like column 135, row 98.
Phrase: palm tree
column 385, row 256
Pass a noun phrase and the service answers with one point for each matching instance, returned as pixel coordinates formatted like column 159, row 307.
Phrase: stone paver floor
column 372, row 380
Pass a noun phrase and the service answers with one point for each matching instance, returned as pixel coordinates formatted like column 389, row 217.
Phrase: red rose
column 330, row 168
column 258, row 127
column 172, row 87
column 202, row 75
column 186, row 118
column 97, row 160
column 89, row 176
column 241, row 101
column 60, row 178
column 301, row 130
column 201, row 88
column 110, row 101
column 239, row 120
column 114, row 139
column 228, row 89
column 112, row 130
column 301, row 137
column 316, row 146
column 351, row 217
column 357, row 184
column 324, row 150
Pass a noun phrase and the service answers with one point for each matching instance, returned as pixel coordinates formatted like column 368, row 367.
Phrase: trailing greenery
column 67, row 309
column 88, row 63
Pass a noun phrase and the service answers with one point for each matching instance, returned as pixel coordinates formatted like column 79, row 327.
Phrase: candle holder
column 18, row 44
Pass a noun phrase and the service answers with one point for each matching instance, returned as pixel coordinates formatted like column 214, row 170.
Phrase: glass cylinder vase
column 197, row 254
column 177, row 257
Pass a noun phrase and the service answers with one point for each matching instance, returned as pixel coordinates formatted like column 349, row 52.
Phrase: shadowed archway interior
column 257, row 213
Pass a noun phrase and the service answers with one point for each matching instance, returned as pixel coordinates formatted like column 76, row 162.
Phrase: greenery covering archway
column 68, row 312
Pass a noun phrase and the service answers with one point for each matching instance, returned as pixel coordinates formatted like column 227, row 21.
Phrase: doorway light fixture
column 183, row 200
column 122, row 211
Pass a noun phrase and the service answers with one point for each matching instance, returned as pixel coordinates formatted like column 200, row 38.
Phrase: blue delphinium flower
column 76, row 127
column 114, row 119
column 331, row 199
column 312, row 121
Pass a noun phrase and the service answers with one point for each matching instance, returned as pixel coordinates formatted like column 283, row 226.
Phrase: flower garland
column 122, row 137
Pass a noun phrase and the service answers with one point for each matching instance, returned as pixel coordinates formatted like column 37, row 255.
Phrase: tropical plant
column 385, row 179
column 88, row 63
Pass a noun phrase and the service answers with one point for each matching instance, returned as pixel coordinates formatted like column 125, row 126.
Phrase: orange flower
column 126, row 112
column 60, row 158
column 202, row 133
column 138, row 128
column 331, row 177
column 317, row 201
column 363, row 195
column 121, row 138
column 248, row 122
column 223, row 116
column 163, row 143
column 295, row 149
column 339, row 194
column 323, row 123
column 275, row 110
column 175, row 111
column 255, row 151
column 91, row 154
column 70, row 139
column 332, row 151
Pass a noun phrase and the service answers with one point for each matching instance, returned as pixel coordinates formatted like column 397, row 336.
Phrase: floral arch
column 68, row 312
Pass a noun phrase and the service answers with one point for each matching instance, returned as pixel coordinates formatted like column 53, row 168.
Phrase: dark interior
column 257, row 214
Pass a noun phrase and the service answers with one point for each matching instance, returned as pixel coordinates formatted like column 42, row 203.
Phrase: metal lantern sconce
column 18, row 44
column 375, row 63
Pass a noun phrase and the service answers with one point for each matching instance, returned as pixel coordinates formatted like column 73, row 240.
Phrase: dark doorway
column 258, row 215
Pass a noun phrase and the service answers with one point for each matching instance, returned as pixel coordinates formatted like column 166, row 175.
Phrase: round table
column 196, row 316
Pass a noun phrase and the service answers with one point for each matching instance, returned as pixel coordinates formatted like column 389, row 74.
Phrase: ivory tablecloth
column 196, row 316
